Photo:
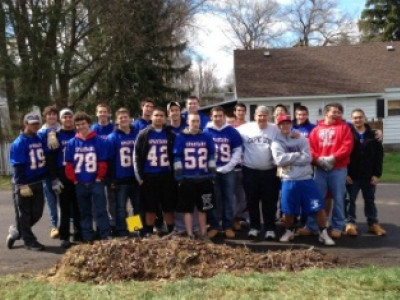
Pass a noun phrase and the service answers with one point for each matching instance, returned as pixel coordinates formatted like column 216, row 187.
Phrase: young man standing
column 120, row 150
column 301, row 122
column 194, row 169
column 175, row 118
column 154, row 171
column 331, row 143
column 103, row 127
column 259, row 172
column 240, row 114
column 192, row 107
column 364, row 171
column 86, row 167
column 228, row 152
column 147, row 105
column 299, row 191
column 28, row 160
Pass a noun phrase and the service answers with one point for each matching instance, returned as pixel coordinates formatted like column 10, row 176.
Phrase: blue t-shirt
column 141, row 124
column 194, row 152
column 63, row 138
column 157, row 160
column 305, row 128
column 103, row 131
column 28, row 153
column 120, row 146
column 225, row 141
column 178, row 130
column 84, row 155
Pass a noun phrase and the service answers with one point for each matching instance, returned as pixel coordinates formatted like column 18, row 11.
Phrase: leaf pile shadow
column 169, row 259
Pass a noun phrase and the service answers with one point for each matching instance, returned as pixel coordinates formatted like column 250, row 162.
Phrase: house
column 363, row 76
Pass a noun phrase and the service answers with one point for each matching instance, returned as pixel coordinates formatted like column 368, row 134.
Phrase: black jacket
column 142, row 148
column 365, row 160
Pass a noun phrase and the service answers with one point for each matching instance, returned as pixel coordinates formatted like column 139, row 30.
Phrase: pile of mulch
column 169, row 259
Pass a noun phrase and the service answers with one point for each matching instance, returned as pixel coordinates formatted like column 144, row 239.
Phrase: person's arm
column 137, row 158
column 281, row 157
column 178, row 158
column 346, row 144
column 378, row 163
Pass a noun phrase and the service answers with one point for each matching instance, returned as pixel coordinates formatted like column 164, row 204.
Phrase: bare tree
column 317, row 22
column 252, row 21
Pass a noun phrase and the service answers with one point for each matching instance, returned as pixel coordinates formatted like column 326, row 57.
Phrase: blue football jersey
column 120, row 148
column 305, row 129
column 178, row 130
column 63, row 137
column 28, row 152
column 194, row 151
column 85, row 154
column 141, row 124
column 157, row 158
column 103, row 131
column 225, row 140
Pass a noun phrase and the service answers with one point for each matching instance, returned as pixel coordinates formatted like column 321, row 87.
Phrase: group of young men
column 193, row 174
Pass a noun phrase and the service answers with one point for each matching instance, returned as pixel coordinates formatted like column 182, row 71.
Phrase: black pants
column 68, row 209
column 261, row 186
column 30, row 211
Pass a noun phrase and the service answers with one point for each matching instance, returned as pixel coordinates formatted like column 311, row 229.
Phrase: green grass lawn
column 391, row 167
column 366, row 283
column 5, row 183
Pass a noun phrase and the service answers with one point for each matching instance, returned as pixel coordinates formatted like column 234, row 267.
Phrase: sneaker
column 230, row 234
column 212, row 233
column 336, row 234
column 54, row 233
column 35, row 246
column 325, row 239
column 65, row 244
column 236, row 225
column 253, row 233
column 351, row 229
column 287, row 236
column 376, row 229
column 270, row 235
column 305, row 231
column 12, row 236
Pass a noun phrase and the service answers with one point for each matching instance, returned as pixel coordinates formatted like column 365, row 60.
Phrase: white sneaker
column 287, row 236
column 270, row 235
column 325, row 238
column 12, row 236
column 253, row 233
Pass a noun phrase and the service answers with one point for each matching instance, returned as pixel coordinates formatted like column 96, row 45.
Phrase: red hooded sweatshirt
column 334, row 139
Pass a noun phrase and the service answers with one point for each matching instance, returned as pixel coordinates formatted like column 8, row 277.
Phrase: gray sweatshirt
column 293, row 158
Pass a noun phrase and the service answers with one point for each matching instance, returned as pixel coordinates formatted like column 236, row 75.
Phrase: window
column 393, row 107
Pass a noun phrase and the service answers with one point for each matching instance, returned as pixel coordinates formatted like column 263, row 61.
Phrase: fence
column 5, row 168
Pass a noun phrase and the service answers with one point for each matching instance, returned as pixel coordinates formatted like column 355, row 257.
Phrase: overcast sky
column 211, row 41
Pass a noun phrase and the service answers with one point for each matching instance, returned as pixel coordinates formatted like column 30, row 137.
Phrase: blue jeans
column 224, row 188
column 122, row 193
column 335, row 182
column 368, row 193
column 51, row 202
column 91, row 198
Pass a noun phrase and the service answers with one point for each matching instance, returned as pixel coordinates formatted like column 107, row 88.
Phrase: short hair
column 146, row 100
column 192, row 114
column 240, row 104
column 281, row 106
column 359, row 110
column 192, row 97
column 335, row 105
column 218, row 108
column 158, row 108
column 103, row 105
column 121, row 111
column 301, row 108
column 82, row 116
column 262, row 108
column 52, row 109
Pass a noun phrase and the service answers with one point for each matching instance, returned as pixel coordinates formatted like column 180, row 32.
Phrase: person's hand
column 52, row 142
column 378, row 135
column 25, row 191
column 140, row 182
column 57, row 186
column 295, row 134
column 349, row 180
column 374, row 180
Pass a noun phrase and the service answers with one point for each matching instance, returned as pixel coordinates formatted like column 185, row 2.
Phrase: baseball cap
column 173, row 103
column 283, row 118
column 65, row 111
column 32, row 118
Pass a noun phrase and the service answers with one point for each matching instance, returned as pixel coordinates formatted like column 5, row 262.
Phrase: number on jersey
column 195, row 158
column 126, row 157
column 37, row 158
column 86, row 160
column 223, row 152
column 160, row 160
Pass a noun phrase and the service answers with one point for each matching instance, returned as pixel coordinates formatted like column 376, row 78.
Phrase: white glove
column 25, row 191
column 52, row 142
column 326, row 162
column 330, row 160
column 57, row 186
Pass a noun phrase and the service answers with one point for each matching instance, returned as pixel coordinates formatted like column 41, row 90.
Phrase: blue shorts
column 300, row 196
